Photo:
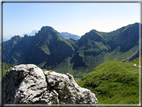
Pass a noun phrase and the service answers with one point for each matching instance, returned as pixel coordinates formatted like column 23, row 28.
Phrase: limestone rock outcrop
column 28, row 84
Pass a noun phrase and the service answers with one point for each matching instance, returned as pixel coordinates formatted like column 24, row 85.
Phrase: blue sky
column 75, row 18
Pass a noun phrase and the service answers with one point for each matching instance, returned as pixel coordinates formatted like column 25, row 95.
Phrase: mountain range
column 64, row 35
column 49, row 50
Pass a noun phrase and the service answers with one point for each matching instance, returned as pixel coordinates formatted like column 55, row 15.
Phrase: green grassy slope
column 5, row 67
column 136, row 61
column 114, row 83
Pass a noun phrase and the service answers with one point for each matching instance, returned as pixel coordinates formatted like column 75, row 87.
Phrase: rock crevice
column 28, row 84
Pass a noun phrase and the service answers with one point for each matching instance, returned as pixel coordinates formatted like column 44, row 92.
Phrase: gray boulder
column 28, row 84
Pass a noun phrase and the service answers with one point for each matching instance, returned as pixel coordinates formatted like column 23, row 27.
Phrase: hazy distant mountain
column 67, row 35
column 4, row 39
column 49, row 50
column 30, row 34
column 33, row 32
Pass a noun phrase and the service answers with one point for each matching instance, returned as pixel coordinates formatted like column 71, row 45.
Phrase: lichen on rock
column 28, row 84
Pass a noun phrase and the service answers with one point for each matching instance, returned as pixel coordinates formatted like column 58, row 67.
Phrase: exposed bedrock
column 28, row 84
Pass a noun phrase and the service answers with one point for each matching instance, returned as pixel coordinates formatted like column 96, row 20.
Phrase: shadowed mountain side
column 78, row 61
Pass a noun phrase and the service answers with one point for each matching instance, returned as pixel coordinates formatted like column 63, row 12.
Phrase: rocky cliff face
column 28, row 84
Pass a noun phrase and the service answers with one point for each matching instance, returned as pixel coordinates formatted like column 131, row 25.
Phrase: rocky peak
column 48, row 33
column 93, row 35
column 16, row 38
column 25, row 36
column 28, row 84
column 46, row 28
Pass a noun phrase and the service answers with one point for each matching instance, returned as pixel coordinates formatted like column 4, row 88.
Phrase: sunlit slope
column 114, row 83
column 5, row 67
